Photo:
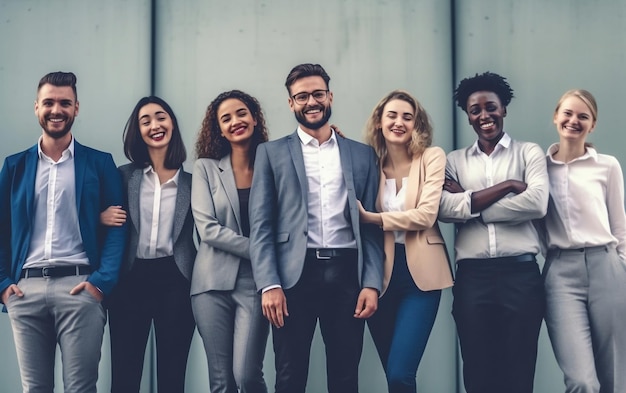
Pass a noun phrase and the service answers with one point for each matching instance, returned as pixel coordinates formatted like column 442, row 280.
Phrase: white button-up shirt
column 56, row 239
column 157, row 204
column 328, row 220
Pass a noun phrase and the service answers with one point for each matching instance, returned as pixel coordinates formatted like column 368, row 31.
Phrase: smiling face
column 574, row 120
column 155, row 126
column 398, row 122
column 56, row 108
column 236, row 121
column 486, row 115
column 313, row 114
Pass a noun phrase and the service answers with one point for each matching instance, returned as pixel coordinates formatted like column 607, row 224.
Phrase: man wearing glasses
column 311, row 258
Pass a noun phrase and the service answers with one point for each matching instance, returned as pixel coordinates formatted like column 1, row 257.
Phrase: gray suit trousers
column 234, row 332
column 586, row 317
column 46, row 315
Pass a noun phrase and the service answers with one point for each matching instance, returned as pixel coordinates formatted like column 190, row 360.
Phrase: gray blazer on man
column 278, row 211
column 184, row 247
column 215, row 206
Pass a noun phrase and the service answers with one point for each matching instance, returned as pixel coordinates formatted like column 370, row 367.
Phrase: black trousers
column 498, row 308
column 327, row 291
column 153, row 292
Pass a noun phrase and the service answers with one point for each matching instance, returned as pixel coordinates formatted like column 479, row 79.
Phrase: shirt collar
column 69, row 150
column 505, row 142
column 306, row 138
column 590, row 153
column 150, row 171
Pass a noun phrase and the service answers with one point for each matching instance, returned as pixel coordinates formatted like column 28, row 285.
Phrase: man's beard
column 57, row 134
column 300, row 116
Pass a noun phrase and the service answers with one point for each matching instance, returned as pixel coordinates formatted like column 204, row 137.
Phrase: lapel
column 31, row 160
column 295, row 149
column 183, row 203
column 227, row 177
column 345, row 155
column 134, row 183
column 79, row 172
column 414, row 183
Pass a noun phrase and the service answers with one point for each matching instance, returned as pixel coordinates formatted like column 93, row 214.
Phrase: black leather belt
column 60, row 271
column 329, row 253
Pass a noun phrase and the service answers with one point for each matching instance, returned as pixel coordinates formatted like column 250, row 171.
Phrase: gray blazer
column 278, row 211
column 184, row 248
column 215, row 206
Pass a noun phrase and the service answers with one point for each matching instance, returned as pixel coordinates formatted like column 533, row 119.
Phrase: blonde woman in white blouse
column 416, row 262
column 585, row 270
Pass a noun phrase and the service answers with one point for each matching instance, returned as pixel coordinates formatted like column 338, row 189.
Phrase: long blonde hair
column 421, row 135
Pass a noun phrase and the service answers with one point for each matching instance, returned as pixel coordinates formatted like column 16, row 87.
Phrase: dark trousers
column 328, row 292
column 153, row 292
column 402, row 324
column 498, row 307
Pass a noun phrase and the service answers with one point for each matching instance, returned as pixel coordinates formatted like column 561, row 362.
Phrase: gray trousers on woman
column 234, row 332
column 586, row 317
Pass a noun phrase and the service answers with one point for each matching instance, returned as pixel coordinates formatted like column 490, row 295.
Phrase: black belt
column 60, row 271
column 513, row 258
column 329, row 253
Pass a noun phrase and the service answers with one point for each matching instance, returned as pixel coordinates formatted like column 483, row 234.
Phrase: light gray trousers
column 234, row 332
column 586, row 317
column 46, row 315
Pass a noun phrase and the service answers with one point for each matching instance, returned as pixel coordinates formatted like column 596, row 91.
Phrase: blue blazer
column 98, row 185
column 279, row 218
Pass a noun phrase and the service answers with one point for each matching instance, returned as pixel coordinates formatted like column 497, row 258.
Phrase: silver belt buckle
column 45, row 272
column 318, row 256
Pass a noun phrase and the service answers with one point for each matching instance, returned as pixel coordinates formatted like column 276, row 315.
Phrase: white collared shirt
column 328, row 217
column 504, row 228
column 586, row 207
column 56, row 239
column 394, row 202
column 157, row 204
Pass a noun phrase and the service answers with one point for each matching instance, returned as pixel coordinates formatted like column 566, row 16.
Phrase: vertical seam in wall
column 153, row 20
column 453, row 57
column 453, row 42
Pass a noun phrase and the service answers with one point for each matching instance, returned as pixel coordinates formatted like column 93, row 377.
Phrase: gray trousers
column 586, row 317
column 46, row 315
column 234, row 332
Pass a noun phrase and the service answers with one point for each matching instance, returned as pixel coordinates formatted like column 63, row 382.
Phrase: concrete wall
column 368, row 47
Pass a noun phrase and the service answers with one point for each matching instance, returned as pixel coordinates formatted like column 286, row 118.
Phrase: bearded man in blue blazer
column 56, row 262
column 311, row 258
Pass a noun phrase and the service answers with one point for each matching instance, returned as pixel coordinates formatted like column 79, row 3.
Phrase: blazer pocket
column 282, row 237
column 435, row 240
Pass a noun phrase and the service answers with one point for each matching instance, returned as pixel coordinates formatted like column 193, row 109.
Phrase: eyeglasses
column 303, row 98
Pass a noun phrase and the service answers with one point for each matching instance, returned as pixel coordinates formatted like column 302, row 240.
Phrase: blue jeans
column 402, row 324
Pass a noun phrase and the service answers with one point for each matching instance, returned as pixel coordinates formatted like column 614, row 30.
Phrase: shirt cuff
column 267, row 288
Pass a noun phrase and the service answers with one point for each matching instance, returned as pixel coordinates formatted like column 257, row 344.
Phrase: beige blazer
column 426, row 252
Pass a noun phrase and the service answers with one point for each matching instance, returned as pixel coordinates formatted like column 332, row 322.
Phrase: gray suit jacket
column 278, row 211
column 215, row 206
column 184, row 248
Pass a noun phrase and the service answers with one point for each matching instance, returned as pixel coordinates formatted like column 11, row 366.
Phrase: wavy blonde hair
column 421, row 136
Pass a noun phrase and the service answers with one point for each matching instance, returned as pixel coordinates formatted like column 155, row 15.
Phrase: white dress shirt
column 506, row 227
column 56, row 239
column 328, row 220
column 394, row 202
column 586, row 207
column 157, row 203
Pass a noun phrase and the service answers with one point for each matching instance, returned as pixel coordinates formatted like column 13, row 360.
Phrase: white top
column 328, row 220
column 56, row 239
column 394, row 202
column 586, row 207
column 157, row 204
column 506, row 227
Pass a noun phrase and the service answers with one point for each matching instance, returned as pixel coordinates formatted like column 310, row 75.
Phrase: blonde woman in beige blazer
column 225, row 302
column 416, row 261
